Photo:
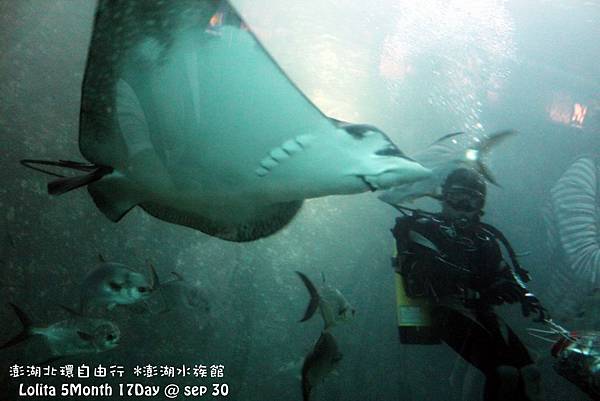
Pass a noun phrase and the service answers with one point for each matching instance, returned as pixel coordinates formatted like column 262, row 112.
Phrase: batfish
column 73, row 336
column 448, row 153
column 111, row 284
column 185, row 114
column 333, row 306
column 319, row 363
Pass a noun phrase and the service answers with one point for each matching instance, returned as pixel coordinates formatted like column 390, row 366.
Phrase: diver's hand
column 504, row 290
column 531, row 304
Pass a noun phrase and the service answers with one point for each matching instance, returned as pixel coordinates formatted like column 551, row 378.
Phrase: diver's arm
column 507, row 287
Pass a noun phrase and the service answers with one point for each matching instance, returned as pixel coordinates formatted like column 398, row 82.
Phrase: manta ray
column 185, row 114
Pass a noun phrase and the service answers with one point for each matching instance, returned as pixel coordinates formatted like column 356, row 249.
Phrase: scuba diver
column 452, row 272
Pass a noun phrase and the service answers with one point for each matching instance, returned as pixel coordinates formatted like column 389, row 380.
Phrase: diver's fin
column 25, row 333
column 114, row 196
column 313, row 304
column 65, row 184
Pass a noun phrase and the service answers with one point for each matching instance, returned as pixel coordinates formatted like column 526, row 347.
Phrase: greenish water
column 417, row 71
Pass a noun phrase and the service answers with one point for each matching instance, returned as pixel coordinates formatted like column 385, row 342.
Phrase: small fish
column 333, row 306
column 448, row 153
column 112, row 284
column 73, row 336
column 179, row 293
column 321, row 361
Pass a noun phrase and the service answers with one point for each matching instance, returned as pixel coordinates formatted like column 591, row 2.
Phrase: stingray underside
column 272, row 220
column 183, row 90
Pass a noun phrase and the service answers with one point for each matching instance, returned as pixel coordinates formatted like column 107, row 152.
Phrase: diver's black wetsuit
column 462, row 271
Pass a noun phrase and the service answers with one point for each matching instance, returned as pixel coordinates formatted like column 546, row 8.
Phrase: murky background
column 418, row 70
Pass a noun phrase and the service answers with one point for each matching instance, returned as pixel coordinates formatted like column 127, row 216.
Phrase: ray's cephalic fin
column 65, row 184
column 25, row 332
column 313, row 304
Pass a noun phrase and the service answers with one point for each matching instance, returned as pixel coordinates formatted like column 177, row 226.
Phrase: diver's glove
column 531, row 304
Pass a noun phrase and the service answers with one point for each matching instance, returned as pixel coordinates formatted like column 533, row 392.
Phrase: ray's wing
column 219, row 61
column 183, row 92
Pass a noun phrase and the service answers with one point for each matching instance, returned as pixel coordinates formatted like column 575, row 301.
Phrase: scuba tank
column 413, row 315
column 415, row 324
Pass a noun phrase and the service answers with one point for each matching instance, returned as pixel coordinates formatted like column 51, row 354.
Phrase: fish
column 74, row 336
column 111, row 284
column 448, row 153
column 332, row 305
column 185, row 114
column 180, row 293
column 321, row 361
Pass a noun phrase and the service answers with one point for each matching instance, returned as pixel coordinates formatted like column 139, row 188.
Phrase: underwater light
column 471, row 154
column 565, row 111
column 579, row 113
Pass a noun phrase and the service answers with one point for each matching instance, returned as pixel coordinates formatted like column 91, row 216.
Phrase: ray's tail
column 65, row 184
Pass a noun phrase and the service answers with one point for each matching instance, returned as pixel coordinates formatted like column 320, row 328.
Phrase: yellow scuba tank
column 413, row 315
